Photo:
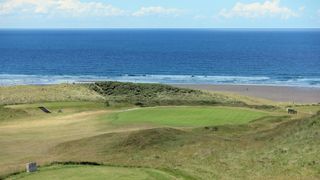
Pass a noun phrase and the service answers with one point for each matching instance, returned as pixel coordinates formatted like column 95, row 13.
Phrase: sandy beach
column 275, row 93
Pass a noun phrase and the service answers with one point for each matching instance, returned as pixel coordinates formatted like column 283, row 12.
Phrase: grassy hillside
column 157, row 94
column 123, row 94
column 48, row 93
column 7, row 114
column 286, row 151
column 272, row 147
column 233, row 141
column 95, row 172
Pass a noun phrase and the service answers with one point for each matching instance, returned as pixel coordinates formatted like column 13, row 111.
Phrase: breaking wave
column 14, row 79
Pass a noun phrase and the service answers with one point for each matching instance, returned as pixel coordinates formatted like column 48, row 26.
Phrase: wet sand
column 275, row 93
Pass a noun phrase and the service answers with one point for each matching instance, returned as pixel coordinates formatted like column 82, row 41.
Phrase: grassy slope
column 287, row 151
column 49, row 93
column 158, row 94
column 120, row 93
column 271, row 147
column 94, row 172
column 7, row 114
column 29, row 137
column 186, row 116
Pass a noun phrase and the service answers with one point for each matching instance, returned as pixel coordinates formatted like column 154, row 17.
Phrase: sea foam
column 14, row 79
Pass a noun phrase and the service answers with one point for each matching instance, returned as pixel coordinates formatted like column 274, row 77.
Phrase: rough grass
column 120, row 141
column 28, row 138
column 157, row 94
column 149, row 138
column 186, row 116
column 279, row 146
column 122, row 94
column 7, row 114
column 48, row 93
column 265, row 148
column 289, row 150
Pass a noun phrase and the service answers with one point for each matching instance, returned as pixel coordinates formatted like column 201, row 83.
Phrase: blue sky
column 159, row 14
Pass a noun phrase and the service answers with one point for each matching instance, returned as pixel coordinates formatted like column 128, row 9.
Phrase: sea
column 280, row 57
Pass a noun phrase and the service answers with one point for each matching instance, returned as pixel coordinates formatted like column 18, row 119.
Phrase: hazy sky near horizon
column 159, row 14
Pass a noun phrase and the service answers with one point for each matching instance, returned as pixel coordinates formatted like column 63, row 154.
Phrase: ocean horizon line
column 159, row 28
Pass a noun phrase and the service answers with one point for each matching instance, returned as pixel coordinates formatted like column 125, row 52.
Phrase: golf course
column 114, row 130
column 187, row 116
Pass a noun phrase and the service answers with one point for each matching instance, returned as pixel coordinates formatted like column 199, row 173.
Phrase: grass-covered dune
column 47, row 93
column 113, row 93
column 123, row 94
column 158, row 94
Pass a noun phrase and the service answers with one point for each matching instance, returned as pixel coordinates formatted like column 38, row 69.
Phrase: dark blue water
column 279, row 57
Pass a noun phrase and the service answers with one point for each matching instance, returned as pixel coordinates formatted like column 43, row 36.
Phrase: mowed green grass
column 186, row 116
column 77, row 172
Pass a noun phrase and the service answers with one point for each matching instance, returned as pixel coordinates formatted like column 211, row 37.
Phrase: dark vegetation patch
column 87, row 163
column 263, row 107
column 140, row 94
